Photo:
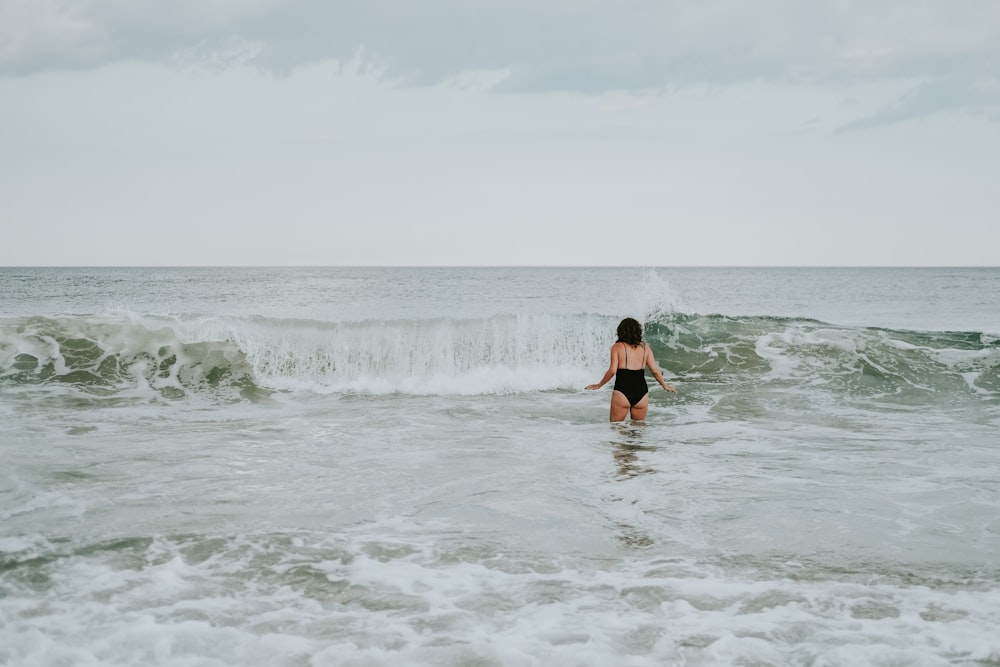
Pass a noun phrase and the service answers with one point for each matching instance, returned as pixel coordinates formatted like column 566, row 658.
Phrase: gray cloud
column 949, row 50
column 950, row 91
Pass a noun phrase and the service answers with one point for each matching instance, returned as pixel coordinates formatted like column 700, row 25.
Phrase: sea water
column 399, row 466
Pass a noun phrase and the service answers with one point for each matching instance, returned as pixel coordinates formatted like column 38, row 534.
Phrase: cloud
column 42, row 35
column 953, row 91
column 580, row 45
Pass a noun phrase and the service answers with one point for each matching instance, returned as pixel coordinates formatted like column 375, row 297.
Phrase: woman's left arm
column 654, row 368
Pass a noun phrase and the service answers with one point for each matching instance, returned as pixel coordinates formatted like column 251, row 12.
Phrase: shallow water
column 399, row 467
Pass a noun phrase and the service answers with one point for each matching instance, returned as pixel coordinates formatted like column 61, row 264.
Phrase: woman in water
column 629, row 358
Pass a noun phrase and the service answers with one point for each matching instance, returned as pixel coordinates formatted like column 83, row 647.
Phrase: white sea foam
column 42, row 504
column 378, row 596
column 496, row 355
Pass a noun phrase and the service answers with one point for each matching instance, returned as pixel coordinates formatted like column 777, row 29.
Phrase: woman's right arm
column 612, row 369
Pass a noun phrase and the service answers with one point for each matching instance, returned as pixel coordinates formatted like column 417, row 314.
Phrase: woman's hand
column 668, row 387
column 592, row 387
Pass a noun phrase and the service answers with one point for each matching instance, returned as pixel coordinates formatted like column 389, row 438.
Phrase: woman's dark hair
column 630, row 332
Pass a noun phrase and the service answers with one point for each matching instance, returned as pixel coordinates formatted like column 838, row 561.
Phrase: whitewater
column 400, row 466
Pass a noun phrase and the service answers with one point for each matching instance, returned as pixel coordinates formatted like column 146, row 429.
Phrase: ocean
column 400, row 466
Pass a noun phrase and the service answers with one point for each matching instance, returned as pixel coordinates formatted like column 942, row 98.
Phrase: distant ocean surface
column 399, row 467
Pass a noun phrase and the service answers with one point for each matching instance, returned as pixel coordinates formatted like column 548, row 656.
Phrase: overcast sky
column 468, row 132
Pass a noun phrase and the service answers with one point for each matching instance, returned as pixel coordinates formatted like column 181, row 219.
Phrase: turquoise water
column 400, row 467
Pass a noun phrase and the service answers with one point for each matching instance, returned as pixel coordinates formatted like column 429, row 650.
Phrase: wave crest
column 846, row 360
column 106, row 355
column 500, row 354
column 494, row 355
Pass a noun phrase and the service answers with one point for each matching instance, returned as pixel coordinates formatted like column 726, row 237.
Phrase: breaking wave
column 234, row 356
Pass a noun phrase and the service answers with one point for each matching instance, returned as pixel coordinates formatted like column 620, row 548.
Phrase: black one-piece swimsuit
column 632, row 383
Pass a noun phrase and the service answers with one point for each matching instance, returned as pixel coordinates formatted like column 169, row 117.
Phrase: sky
column 500, row 132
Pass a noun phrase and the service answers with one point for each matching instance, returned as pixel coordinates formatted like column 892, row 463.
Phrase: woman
column 629, row 358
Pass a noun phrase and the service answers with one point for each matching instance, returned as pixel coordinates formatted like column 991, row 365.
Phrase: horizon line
column 499, row 266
